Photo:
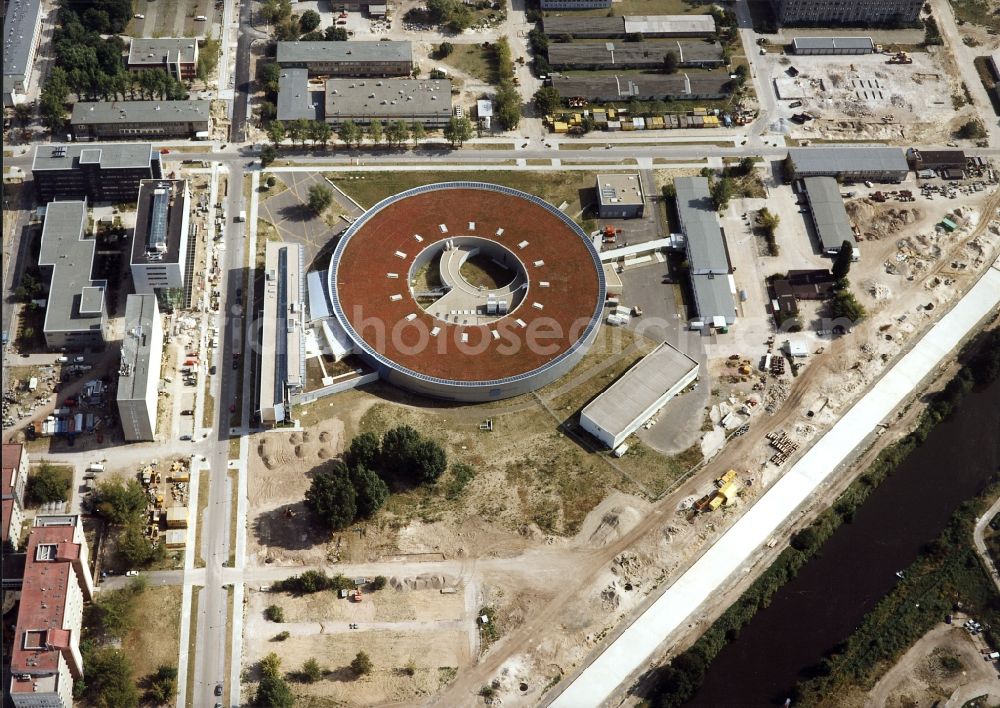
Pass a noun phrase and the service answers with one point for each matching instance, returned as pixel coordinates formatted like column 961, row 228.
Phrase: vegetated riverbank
column 679, row 682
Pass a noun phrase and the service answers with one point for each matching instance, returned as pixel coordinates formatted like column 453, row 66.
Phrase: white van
column 200, row 18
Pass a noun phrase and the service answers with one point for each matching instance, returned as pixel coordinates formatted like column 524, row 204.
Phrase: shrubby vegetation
column 948, row 571
column 123, row 504
column 312, row 581
column 48, row 484
column 273, row 690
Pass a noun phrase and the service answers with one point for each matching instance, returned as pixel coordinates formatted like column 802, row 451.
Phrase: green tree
column 47, row 484
column 349, row 133
column 120, row 502
column 320, row 198
column 276, row 132
column 397, row 133
column 312, row 671
column 274, row 613
column 842, row 263
column 296, row 131
column 444, row 49
column 746, row 166
column 379, row 582
column 508, row 102
column 363, row 451
column 163, row 685
column 320, row 132
column 375, row 132
column 769, row 220
column 845, row 306
column 547, row 99
column 413, row 457
column 972, row 130
column 335, row 34
column 458, row 131
column 109, row 678
column 23, row 113
column 309, row 21
column 670, row 62
column 361, row 664
column 371, row 492
column 268, row 154
column 417, row 132
column 273, row 692
column 136, row 547
column 722, row 191
column 332, row 498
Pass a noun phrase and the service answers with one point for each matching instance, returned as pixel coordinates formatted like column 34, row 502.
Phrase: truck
column 95, row 467
column 242, row 216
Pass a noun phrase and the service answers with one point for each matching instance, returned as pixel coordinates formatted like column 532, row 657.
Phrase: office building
column 633, row 55
column 710, row 267
column 97, row 173
column 295, row 99
column 14, row 469
column 636, row 397
column 347, row 58
column 22, row 27
column 178, row 56
column 426, row 101
column 645, row 87
column 282, row 346
column 849, row 164
column 829, row 217
column 131, row 120
column 160, row 240
column 139, row 371
column 619, row 196
column 855, row 13
column 75, row 313
column 45, row 659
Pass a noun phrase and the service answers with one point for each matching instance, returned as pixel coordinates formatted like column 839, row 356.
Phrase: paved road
column 988, row 560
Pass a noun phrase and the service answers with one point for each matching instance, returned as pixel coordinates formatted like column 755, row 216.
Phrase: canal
column 857, row 566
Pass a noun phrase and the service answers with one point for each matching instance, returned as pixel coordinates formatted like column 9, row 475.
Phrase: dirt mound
column 295, row 438
column 307, row 436
column 613, row 524
column 424, row 581
column 272, row 453
column 300, row 451
column 324, row 436
column 324, row 453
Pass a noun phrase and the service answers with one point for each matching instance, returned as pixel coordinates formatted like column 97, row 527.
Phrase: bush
column 280, row 636
column 312, row 581
column 48, row 484
column 311, row 671
column 361, row 664
column 120, row 502
column 108, row 673
column 445, row 49
column 461, row 475
column 268, row 154
column 379, row 582
column 274, row 613
column 972, row 130
column 163, row 685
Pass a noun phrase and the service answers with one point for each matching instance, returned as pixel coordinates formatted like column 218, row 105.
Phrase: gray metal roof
column 169, row 224
column 631, row 396
column 388, row 98
column 319, row 300
column 713, row 297
column 295, row 101
column 631, row 53
column 66, row 249
column 101, row 112
column 833, row 43
column 623, row 87
column 829, row 215
column 141, row 314
column 18, row 34
column 291, row 52
column 619, row 189
column 160, row 50
column 593, row 26
column 669, row 24
column 705, row 244
column 115, row 156
column 835, row 160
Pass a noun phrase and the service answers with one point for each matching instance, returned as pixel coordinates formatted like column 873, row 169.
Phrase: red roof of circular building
column 570, row 303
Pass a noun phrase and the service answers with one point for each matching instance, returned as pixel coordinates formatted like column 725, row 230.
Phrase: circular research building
column 467, row 291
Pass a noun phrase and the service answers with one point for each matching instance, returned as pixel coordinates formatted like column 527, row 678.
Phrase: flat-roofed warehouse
column 938, row 159
column 618, row 27
column 851, row 164
column 347, row 58
column 833, row 45
column 139, row 370
column 636, row 55
column 178, row 56
column 619, row 196
column 710, row 266
column 102, row 120
column 282, row 346
column 826, row 207
column 641, row 391
column 362, row 100
column 22, row 25
column 295, row 99
column 75, row 312
column 645, row 87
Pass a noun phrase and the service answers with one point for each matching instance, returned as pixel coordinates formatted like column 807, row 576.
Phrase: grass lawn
column 62, row 474
column 576, row 188
column 208, row 417
column 199, row 562
column 154, row 641
column 473, row 60
column 985, row 13
column 192, row 642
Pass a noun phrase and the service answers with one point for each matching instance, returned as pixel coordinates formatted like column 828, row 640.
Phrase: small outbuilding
column 177, row 517
column 619, row 196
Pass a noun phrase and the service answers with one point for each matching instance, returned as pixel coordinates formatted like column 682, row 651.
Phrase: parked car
column 185, row 437
column 187, row 411
column 131, row 573
column 218, row 689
